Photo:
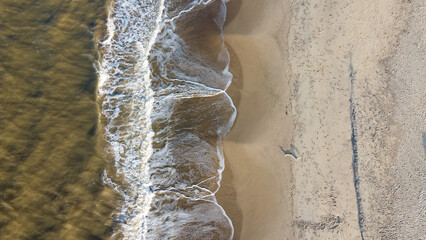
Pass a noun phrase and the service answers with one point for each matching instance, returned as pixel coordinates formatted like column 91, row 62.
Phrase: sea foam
column 162, row 82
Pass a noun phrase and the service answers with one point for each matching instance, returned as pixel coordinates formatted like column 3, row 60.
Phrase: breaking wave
column 163, row 73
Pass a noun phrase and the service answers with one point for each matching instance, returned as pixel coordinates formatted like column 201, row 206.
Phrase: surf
column 163, row 73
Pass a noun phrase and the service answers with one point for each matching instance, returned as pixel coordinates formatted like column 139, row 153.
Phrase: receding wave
column 163, row 74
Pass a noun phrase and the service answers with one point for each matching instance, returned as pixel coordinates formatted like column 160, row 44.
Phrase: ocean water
column 163, row 72
column 51, row 161
column 111, row 119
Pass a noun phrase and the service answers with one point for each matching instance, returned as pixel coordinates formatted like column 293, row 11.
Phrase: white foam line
column 113, row 113
column 199, row 84
column 146, row 144
column 188, row 10
column 230, row 123
column 147, row 82
column 177, row 190
column 219, row 148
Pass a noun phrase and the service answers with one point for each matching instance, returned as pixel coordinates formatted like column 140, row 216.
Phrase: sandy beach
column 112, row 116
column 261, row 172
column 329, row 138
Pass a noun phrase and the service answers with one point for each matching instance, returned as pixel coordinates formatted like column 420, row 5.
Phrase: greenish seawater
column 50, row 166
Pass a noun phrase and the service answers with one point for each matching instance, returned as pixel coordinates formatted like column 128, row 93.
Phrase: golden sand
column 336, row 85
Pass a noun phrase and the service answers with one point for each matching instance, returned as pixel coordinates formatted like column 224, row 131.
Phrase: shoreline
column 261, row 93
column 302, row 72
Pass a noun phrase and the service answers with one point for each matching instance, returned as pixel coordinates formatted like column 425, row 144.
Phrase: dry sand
column 341, row 86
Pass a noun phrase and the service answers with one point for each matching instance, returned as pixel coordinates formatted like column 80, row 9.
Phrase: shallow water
column 163, row 72
column 111, row 119
column 50, row 170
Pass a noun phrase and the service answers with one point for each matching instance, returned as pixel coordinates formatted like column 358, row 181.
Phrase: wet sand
column 343, row 95
column 260, row 170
